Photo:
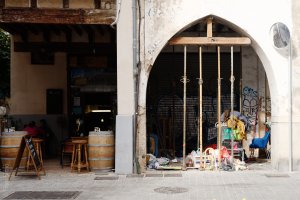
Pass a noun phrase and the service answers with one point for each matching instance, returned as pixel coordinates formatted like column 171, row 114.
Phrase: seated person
column 32, row 129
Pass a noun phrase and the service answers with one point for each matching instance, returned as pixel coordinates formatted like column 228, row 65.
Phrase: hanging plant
column 4, row 64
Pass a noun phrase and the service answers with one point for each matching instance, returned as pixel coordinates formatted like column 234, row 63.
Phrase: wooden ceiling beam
column 78, row 29
column 91, row 33
column 209, row 41
column 74, row 47
column 16, row 30
column 57, row 16
column 8, row 29
column 32, row 28
column 68, row 33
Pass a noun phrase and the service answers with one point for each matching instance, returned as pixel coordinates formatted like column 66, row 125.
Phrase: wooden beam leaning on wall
column 209, row 41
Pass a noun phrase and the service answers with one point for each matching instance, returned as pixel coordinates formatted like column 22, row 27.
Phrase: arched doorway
column 165, row 91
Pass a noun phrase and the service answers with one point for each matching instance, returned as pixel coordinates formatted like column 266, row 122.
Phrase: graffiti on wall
column 250, row 104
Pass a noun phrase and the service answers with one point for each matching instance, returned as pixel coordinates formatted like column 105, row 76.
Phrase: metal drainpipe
column 135, row 78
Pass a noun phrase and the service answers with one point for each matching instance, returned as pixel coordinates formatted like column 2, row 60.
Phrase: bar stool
column 79, row 150
column 66, row 150
column 37, row 142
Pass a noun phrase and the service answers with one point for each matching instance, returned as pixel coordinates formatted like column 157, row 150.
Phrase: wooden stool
column 79, row 150
column 66, row 150
column 38, row 147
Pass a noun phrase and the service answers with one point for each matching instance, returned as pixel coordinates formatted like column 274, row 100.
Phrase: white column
column 125, row 86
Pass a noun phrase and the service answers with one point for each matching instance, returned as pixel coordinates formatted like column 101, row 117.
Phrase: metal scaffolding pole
column 219, row 107
column 232, row 102
column 200, row 106
column 184, row 80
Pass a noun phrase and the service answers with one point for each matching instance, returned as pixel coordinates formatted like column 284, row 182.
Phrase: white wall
column 29, row 83
column 163, row 19
column 296, row 82
column 125, row 87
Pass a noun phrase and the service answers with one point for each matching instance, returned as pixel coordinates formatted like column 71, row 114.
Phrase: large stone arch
column 158, row 31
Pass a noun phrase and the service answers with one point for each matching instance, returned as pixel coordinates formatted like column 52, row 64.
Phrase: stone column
column 125, row 86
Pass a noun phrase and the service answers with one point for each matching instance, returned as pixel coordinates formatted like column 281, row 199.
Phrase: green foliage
column 4, row 64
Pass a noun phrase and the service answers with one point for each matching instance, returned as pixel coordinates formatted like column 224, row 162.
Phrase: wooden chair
column 260, row 143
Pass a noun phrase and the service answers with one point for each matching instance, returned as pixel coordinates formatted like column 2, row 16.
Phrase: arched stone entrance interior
column 164, row 91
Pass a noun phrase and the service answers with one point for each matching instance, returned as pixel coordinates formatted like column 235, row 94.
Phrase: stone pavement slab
column 259, row 184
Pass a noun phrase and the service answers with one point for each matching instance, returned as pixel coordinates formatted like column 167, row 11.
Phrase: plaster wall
column 296, row 82
column 163, row 19
column 29, row 83
column 126, row 93
column 254, row 93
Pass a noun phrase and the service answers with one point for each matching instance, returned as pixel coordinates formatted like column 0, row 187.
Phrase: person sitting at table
column 32, row 129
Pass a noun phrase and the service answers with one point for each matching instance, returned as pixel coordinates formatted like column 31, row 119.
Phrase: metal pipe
column 232, row 102
column 184, row 110
column 135, row 78
column 200, row 106
column 219, row 107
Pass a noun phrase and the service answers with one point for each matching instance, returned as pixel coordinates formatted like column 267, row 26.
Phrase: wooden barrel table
column 101, row 150
column 9, row 147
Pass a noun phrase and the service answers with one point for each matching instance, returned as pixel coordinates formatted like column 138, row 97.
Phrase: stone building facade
column 143, row 32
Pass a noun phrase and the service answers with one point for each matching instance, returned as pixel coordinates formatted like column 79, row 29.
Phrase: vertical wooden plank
column 65, row 3
column 33, row 3
column 97, row 4
column 209, row 27
column 2, row 3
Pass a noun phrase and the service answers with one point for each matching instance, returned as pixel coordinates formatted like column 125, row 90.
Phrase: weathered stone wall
column 163, row 19
column 296, row 81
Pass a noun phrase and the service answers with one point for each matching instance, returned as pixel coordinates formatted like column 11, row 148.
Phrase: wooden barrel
column 101, row 150
column 9, row 147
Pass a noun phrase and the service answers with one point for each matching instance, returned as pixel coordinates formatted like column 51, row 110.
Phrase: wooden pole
column 184, row 110
column 219, row 107
column 209, row 27
column 232, row 102
column 241, row 96
column 200, row 106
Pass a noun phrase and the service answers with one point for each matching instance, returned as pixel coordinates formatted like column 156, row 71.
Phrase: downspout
column 135, row 74
column 136, row 165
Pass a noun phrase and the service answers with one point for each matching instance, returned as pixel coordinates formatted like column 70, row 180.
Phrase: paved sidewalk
column 253, row 184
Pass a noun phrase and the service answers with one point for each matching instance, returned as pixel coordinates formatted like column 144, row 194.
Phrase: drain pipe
column 135, row 78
